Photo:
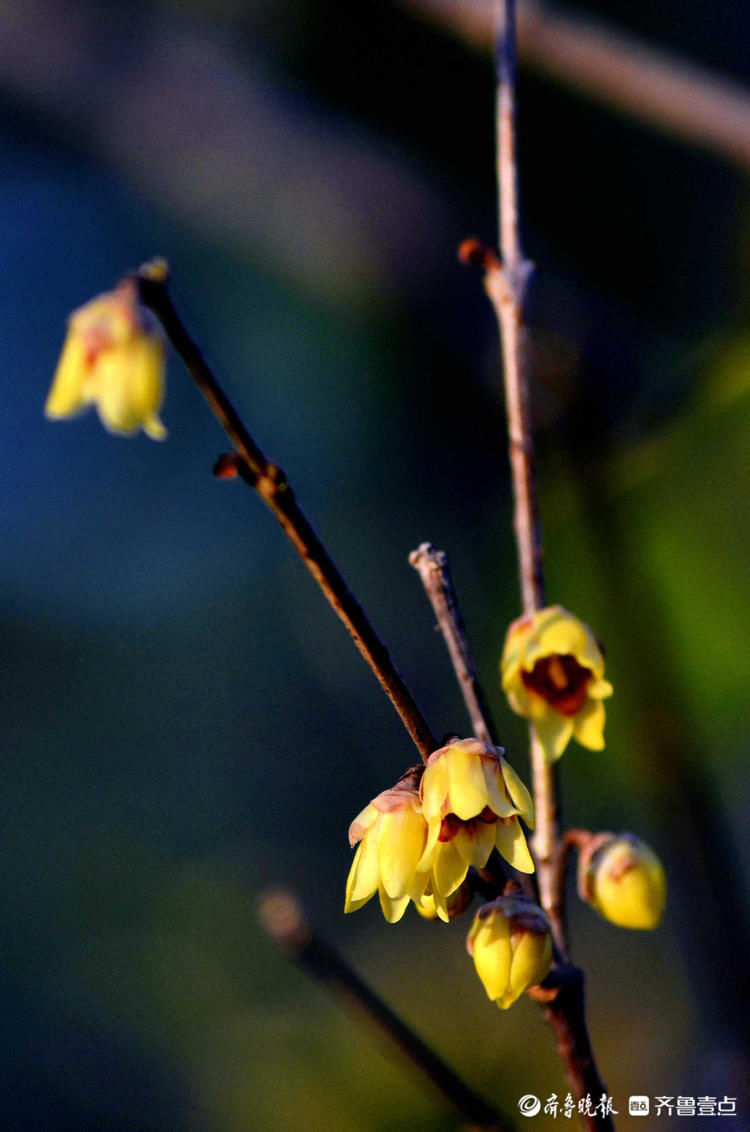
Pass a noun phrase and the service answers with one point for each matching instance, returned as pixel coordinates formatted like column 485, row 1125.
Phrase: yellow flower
column 453, row 906
column 392, row 833
column 471, row 800
column 553, row 673
column 113, row 357
column 511, row 946
column 623, row 879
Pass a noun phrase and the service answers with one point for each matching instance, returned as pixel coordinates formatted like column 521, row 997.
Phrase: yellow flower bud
column 392, row 834
column 623, row 879
column 553, row 673
column 113, row 357
column 511, row 945
column 471, row 799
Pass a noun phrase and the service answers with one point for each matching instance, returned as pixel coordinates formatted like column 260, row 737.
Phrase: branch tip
column 281, row 916
column 155, row 270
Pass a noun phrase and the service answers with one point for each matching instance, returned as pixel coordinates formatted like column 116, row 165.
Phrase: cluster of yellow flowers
column 417, row 841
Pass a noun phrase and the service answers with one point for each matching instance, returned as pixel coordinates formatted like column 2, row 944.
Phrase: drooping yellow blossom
column 511, row 945
column 623, row 879
column 454, row 905
column 471, row 801
column 553, row 673
column 113, row 357
column 392, row 834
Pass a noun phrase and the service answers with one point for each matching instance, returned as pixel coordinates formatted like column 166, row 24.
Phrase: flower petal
column 520, row 698
column 364, row 820
column 475, row 842
column 434, row 787
column 510, row 842
column 492, row 955
column 431, row 847
column 67, row 395
column 599, row 689
column 468, row 790
column 153, row 426
column 519, row 794
column 400, row 843
column 362, row 881
column 499, row 797
column 531, row 962
column 554, row 732
column 449, row 869
column 588, row 725
column 417, row 886
column 393, row 910
column 558, row 632
column 129, row 384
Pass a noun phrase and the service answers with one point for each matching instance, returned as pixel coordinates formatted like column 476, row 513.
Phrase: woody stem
column 432, row 567
column 505, row 281
column 272, row 486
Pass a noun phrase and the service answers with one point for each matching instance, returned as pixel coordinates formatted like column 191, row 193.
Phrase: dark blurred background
column 186, row 724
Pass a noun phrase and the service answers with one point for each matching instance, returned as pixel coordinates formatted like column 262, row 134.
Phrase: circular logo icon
column 529, row 1105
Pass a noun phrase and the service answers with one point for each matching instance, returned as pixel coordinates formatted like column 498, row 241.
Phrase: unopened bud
column 623, row 879
column 511, row 945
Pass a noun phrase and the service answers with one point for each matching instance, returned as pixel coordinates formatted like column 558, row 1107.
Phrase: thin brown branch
column 283, row 919
column 432, row 567
column 566, row 1016
column 272, row 486
column 506, row 279
column 505, row 282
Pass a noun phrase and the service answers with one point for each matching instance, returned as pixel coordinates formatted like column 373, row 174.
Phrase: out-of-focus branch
column 217, row 139
column 658, row 87
column 282, row 918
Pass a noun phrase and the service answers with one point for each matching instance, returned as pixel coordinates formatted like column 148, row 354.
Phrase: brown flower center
column 561, row 681
column 451, row 824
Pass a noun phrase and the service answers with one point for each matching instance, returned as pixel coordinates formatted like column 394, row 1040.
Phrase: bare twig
column 283, row 919
column 565, row 1013
column 432, row 567
column 505, row 281
column 271, row 485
